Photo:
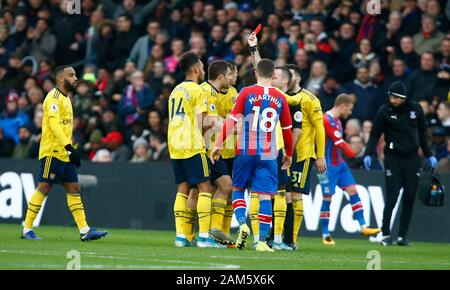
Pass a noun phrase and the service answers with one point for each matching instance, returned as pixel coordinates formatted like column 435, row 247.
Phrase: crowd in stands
column 126, row 55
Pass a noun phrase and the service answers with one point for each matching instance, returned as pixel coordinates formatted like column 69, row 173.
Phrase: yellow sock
column 179, row 208
column 254, row 210
column 279, row 212
column 218, row 206
column 34, row 205
column 298, row 217
column 204, row 212
column 226, row 224
column 76, row 207
column 189, row 223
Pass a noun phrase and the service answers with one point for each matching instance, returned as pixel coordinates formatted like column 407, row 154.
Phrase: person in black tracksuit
column 403, row 123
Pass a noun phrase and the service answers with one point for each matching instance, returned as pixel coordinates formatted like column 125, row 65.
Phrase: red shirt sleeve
column 286, row 125
column 334, row 134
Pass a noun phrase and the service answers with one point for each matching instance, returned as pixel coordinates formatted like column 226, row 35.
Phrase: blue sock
column 325, row 217
column 357, row 208
column 239, row 206
column 265, row 218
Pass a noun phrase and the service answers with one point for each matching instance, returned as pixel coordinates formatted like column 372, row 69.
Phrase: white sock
column 26, row 230
column 277, row 239
column 256, row 238
column 203, row 235
column 362, row 227
column 84, row 230
column 181, row 236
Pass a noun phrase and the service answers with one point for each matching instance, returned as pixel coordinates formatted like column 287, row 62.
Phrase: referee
column 403, row 123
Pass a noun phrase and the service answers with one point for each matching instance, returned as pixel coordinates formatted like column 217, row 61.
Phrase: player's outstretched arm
column 253, row 44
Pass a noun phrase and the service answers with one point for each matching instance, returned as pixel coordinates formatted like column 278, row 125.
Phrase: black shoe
column 402, row 242
column 269, row 243
column 387, row 241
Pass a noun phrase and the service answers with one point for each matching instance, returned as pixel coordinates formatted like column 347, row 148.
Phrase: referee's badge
column 54, row 107
column 412, row 115
column 298, row 116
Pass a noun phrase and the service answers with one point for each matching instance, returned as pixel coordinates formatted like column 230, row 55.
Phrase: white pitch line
column 116, row 267
column 194, row 264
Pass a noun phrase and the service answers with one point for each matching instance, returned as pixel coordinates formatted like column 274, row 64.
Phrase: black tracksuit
column 404, row 129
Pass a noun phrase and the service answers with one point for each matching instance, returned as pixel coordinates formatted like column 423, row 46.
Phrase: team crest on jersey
column 298, row 116
column 412, row 115
column 54, row 107
column 337, row 134
column 212, row 107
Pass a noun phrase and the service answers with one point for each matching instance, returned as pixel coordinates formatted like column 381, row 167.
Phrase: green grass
column 139, row 249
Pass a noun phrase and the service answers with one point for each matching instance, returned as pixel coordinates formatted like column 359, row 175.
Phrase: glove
column 367, row 162
column 74, row 155
column 432, row 161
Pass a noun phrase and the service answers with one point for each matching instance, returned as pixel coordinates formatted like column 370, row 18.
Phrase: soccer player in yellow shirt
column 187, row 109
column 59, row 159
column 309, row 148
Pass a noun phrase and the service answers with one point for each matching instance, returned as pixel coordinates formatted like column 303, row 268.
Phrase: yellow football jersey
column 312, row 116
column 224, row 106
column 212, row 98
column 186, row 101
column 57, row 107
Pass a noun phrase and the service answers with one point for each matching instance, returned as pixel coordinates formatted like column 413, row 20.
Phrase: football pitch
column 154, row 250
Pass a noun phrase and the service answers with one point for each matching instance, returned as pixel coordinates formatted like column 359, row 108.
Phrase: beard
column 69, row 87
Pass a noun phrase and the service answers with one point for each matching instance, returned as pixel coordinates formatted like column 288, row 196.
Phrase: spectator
column 104, row 46
column 24, row 147
column 140, row 149
column 411, row 17
column 429, row 39
column 444, row 164
column 352, row 128
column 6, row 145
column 357, row 146
column 160, row 151
column 171, row 62
column 11, row 120
column 94, row 144
column 140, row 51
column 114, row 143
column 40, row 44
column 329, row 90
column 138, row 13
column 408, row 54
column 344, row 46
column 316, row 76
column 216, row 42
column 398, row 73
column 365, row 56
column 443, row 113
column 439, row 142
column 93, row 36
column 423, row 80
column 366, row 129
column 102, row 156
column 367, row 96
column 301, row 59
column 137, row 100
column 126, row 38
column 155, row 122
column 19, row 30
column 7, row 45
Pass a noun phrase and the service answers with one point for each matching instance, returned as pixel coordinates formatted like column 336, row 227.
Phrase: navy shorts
column 261, row 174
column 219, row 169
column 55, row 171
column 301, row 175
column 193, row 170
column 229, row 164
column 283, row 175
